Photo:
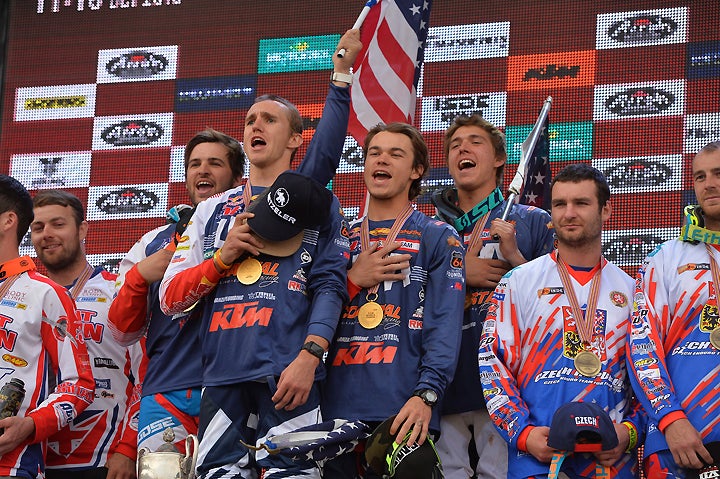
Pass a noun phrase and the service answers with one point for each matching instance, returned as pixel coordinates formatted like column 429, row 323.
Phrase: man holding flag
column 475, row 151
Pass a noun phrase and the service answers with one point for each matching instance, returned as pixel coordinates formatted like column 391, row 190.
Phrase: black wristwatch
column 428, row 396
column 315, row 349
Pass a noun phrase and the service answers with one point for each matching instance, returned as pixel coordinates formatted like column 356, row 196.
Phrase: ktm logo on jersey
column 365, row 353
column 240, row 315
column 7, row 336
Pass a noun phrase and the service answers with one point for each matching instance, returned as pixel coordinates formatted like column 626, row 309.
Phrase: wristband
column 219, row 262
column 632, row 432
column 315, row 349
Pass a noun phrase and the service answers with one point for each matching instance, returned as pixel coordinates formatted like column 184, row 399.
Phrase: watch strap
column 315, row 349
column 342, row 77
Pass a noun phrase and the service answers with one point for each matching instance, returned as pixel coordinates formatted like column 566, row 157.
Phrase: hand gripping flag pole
column 528, row 147
column 360, row 19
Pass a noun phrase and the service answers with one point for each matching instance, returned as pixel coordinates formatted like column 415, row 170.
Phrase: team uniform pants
column 661, row 464
column 178, row 410
column 452, row 447
column 231, row 415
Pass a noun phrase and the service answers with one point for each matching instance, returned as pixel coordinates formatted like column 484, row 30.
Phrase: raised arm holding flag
column 476, row 153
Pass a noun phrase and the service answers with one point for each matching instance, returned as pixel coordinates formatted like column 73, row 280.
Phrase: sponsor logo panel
column 630, row 247
column 568, row 141
column 128, row 201
column 109, row 261
column 462, row 42
column 137, row 64
column 439, row 111
column 55, row 102
column 703, row 60
column 132, row 131
column 295, row 54
column 216, row 93
column 351, row 160
column 554, row 70
column 69, row 169
column 641, row 28
column 639, row 100
column 642, row 173
column 699, row 130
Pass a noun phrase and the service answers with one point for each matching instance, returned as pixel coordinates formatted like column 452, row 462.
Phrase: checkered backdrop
column 101, row 95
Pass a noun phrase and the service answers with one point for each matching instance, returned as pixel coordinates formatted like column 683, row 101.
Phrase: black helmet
column 401, row 461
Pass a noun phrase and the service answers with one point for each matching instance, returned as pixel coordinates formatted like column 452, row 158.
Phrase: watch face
column 429, row 396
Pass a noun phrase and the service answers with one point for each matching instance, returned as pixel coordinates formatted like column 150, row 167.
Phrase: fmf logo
column 365, row 353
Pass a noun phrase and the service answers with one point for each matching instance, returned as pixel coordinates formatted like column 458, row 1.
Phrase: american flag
column 319, row 442
column 388, row 68
column 536, row 190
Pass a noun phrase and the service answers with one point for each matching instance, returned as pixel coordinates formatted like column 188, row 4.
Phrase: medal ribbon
column 14, row 268
column 479, row 210
column 396, row 227
column 476, row 235
column 693, row 233
column 81, row 281
column 584, row 323
column 713, row 269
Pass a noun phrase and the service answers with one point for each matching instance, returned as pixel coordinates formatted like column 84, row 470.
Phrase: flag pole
column 358, row 23
column 527, row 149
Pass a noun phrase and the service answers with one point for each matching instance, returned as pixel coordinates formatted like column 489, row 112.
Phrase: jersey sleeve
column 644, row 346
column 126, row 443
column 499, row 359
column 323, row 154
column 190, row 276
column 68, row 355
column 128, row 315
column 443, row 312
column 328, row 277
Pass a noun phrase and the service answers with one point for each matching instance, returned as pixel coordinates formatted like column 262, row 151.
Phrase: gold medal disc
column 587, row 364
column 715, row 337
column 249, row 271
column 370, row 315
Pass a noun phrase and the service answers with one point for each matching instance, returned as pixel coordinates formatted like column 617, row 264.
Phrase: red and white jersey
column 675, row 366
column 86, row 441
column 41, row 344
column 527, row 350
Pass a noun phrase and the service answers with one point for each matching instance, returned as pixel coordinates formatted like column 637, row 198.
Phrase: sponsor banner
column 55, row 102
column 439, row 111
column 568, row 141
column 699, row 130
column 296, row 54
column 26, row 247
column 177, row 164
column 642, row 173
column 552, row 70
column 137, row 64
column 630, row 247
column 109, row 261
column 351, row 160
column 703, row 60
column 638, row 100
column 640, row 28
column 462, row 42
column 70, row 169
column 148, row 130
column 437, row 180
column 129, row 201
column 310, row 114
column 215, row 93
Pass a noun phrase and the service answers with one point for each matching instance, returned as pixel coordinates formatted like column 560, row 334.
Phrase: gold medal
column 249, row 271
column 587, row 364
column 715, row 337
column 370, row 315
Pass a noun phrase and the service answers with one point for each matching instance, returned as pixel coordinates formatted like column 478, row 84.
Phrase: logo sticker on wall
column 137, row 64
